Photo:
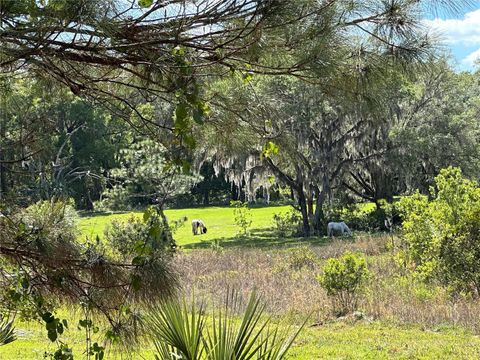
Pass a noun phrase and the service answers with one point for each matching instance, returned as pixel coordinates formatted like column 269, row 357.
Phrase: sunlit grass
column 219, row 221
column 335, row 340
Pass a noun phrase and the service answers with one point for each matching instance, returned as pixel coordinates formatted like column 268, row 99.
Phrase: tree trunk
column 319, row 218
column 310, row 204
column 206, row 198
column 302, row 202
column 233, row 192
column 241, row 195
column 3, row 177
column 166, row 228
column 88, row 202
column 292, row 193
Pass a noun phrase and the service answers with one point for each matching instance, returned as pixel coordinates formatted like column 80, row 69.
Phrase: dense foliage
column 441, row 235
column 343, row 278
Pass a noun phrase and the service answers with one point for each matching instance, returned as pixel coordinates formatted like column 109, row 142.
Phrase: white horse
column 338, row 228
column 198, row 225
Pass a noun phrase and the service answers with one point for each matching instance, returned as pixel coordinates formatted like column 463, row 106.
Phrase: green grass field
column 220, row 224
column 343, row 339
column 336, row 340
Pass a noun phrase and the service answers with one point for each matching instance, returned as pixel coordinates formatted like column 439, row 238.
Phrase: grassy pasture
column 220, row 225
column 404, row 321
column 336, row 340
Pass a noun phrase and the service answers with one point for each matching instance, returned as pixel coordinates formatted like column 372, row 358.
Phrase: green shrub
column 123, row 235
column 343, row 278
column 288, row 223
column 52, row 219
column 441, row 237
column 216, row 245
column 149, row 232
column 242, row 215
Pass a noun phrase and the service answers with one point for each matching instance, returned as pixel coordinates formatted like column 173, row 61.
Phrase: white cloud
column 464, row 31
column 470, row 59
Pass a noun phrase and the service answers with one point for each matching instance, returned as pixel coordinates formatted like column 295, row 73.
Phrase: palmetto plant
column 7, row 334
column 180, row 331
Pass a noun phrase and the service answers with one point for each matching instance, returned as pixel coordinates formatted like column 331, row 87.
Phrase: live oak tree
column 431, row 124
column 308, row 128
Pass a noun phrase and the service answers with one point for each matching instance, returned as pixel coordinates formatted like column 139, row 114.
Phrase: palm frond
column 179, row 331
column 7, row 332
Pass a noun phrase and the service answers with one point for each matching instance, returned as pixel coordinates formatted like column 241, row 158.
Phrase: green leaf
column 15, row 296
column 247, row 77
column 189, row 141
column 52, row 335
column 145, row 3
column 138, row 260
column 269, row 149
column 7, row 332
column 178, row 51
column 181, row 114
column 146, row 215
column 136, row 282
column 51, row 325
column 60, row 328
column 198, row 116
column 100, row 355
column 154, row 231
column 186, row 167
column 48, row 317
column 85, row 323
column 25, row 283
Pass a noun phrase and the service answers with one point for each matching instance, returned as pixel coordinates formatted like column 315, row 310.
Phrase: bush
column 441, row 237
column 343, row 278
column 123, row 235
column 288, row 223
column 53, row 220
column 115, row 199
column 242, row 215
column 148, row 232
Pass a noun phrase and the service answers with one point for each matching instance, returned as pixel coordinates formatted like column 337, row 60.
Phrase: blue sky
column 460, row 32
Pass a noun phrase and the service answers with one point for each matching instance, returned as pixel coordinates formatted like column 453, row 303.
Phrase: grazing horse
column 198, row 225
column 338, row 228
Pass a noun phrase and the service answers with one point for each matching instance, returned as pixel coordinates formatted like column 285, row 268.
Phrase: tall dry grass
column 286, row 280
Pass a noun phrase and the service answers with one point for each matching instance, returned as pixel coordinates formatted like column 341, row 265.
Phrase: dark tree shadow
column 260, row 238
column 90, row 214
